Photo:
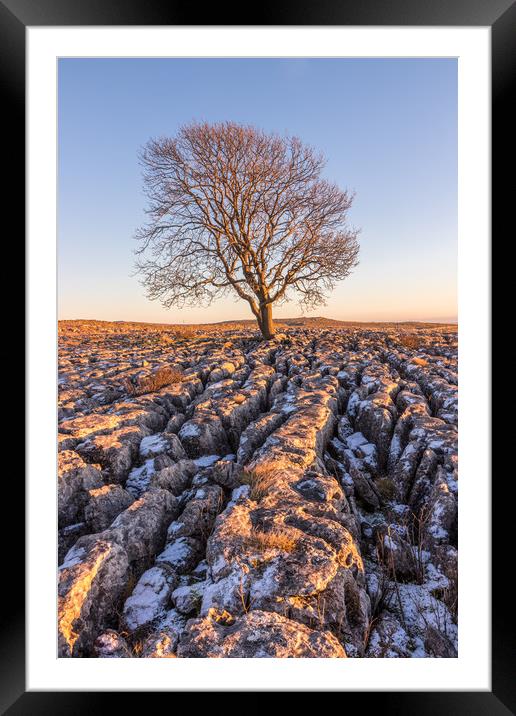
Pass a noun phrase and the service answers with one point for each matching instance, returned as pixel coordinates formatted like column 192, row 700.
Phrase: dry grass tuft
column 163, row 376
column 275, row 539
column 386, row 488
column 450, row 594
column 451, row 598
column 380, row 601
column 259, row 482
column 137, row 648
column 184, row 332
column 167, row 338
column 409, row 340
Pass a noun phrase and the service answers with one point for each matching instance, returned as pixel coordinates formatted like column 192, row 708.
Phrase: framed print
column 258, row 355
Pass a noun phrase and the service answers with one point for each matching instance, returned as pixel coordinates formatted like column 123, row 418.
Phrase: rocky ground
column 220, row 496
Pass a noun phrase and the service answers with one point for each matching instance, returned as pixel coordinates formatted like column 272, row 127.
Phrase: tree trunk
column 265, row 321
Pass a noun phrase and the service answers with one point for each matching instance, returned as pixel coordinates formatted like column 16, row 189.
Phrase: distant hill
column 93, row 325
column 320, row 321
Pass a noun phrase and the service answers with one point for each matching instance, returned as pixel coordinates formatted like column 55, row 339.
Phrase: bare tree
column 232, row 208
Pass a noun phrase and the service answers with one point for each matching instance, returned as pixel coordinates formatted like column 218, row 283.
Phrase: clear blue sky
column 388, row 128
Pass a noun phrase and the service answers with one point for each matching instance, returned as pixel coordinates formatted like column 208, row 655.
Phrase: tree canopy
column 232, row 208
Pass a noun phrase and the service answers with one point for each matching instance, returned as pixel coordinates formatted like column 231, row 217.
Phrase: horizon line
column 275, row 320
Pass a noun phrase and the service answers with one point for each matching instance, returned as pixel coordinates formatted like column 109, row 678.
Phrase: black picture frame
column 500, row 15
